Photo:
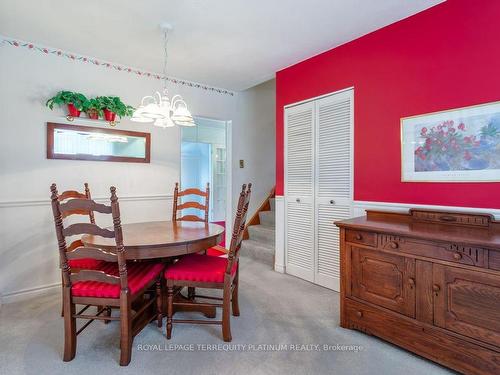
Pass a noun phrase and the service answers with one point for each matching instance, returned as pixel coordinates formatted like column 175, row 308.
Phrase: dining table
column 164, row 240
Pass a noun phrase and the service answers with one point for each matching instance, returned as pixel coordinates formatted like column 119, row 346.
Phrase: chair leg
column 125, row 329
column 159, row 312
column 107, row 312
column 69, row 326
column 170, row 309
column 234, row 298
column 226, row 313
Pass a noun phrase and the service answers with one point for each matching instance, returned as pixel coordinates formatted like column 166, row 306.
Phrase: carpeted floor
column 275, row 309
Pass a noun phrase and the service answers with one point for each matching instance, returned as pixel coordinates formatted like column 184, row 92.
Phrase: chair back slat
column 87, row 228
column 239, row 226
column 76, row 249
column 179, row 206
column 93, row 275
column 82, row 252
column 196, row 205
column 71, row 194
column 84, row 204
column 193, row 191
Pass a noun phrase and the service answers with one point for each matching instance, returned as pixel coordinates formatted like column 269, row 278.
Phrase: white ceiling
column 234, row 44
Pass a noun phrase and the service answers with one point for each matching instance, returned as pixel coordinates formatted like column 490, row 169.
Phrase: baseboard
column 24, row 294
column 279, row 268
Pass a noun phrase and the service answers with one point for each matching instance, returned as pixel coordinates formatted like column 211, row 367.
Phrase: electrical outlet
column 242, row 163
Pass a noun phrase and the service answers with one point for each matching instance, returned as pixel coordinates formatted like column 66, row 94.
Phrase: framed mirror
column 75, row 142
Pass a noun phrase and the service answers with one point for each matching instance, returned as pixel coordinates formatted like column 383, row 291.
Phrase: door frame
column 229, row 190
column 285, row 162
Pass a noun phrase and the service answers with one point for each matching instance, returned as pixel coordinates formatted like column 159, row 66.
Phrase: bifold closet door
column 333, row 195
column 299, row 190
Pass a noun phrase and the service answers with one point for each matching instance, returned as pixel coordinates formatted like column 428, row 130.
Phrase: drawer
column 450, row 252
column 361, row 237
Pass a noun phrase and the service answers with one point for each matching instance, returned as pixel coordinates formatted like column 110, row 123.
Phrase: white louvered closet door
column 333, row 176
column 299, row 190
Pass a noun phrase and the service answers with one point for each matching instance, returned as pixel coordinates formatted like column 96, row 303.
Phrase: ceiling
column 234, row 44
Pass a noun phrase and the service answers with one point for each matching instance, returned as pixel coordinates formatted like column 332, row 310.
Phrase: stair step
column 258, row 251
column 261, row 233
column 272, row 203
column 267, row 218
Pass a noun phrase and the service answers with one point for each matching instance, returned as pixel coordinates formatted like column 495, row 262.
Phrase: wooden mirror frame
column 51, row 127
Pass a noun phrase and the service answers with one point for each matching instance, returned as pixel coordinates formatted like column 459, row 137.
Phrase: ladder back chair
column 73, row 194
column 205, row 271
column 114, row 284
column 179, row 206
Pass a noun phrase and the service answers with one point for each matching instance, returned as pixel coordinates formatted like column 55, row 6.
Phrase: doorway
column 204, row 159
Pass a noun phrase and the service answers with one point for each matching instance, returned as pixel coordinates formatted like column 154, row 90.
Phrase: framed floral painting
column 458, row 145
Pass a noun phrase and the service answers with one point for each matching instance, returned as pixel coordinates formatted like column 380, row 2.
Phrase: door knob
column 359, row 237
column 359, row 314
column 332, row 201
column 436, row 288
column 411, row 281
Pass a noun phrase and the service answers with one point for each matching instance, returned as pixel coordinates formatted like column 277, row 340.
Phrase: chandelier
column 158, row 108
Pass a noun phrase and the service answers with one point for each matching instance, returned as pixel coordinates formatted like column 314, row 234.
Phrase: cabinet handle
column 297, row 200
column 393, row 245
column 436, row 288
column 359, row 314
column 448, row 218
column 411, row 281
column 359, row 237
column 457, row 256
column 332, row 201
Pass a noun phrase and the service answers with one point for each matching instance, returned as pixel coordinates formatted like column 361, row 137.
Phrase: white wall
column 254, row 141
column 28, row 250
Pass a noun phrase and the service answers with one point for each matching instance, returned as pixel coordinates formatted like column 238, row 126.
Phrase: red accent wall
column 445, row 57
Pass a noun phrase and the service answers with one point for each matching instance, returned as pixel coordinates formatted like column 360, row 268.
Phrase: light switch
column 242, row 163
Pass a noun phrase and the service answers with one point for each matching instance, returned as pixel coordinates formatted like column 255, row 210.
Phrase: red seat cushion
column 138, row 275
column 214, row 252
column 85, row 263
column 200, row 268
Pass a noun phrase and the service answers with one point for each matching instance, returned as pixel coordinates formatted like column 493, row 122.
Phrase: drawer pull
column 436, row 289
column 359, row 314
column 457, row 256
column 393, row 245
column 297, row 200
column 332, row 201
column 448, row 218
column 411, row 281
column 359, row 237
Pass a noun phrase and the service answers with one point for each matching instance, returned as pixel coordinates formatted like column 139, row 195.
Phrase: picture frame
column 455, row 145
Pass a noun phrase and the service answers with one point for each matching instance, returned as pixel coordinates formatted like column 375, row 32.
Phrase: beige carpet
column 275, row 309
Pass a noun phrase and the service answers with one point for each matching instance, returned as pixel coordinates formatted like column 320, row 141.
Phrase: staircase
column 260, row 244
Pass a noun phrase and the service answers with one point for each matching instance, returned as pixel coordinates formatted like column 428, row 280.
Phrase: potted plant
column 74, row 101
column 93, row 108
column 112, row 106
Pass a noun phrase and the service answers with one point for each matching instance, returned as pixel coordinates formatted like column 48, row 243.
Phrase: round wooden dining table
column 161, row 239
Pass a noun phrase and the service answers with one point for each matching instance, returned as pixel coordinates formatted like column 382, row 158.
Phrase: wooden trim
column 50, row 144
column 265, row 206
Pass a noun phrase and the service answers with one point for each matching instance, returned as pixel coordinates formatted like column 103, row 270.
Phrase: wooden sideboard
column 428, row 281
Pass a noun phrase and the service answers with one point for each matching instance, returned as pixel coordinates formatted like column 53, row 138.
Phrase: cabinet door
column 299, row 190
column 384, row 279
column 334, row 117
column 467, row 302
